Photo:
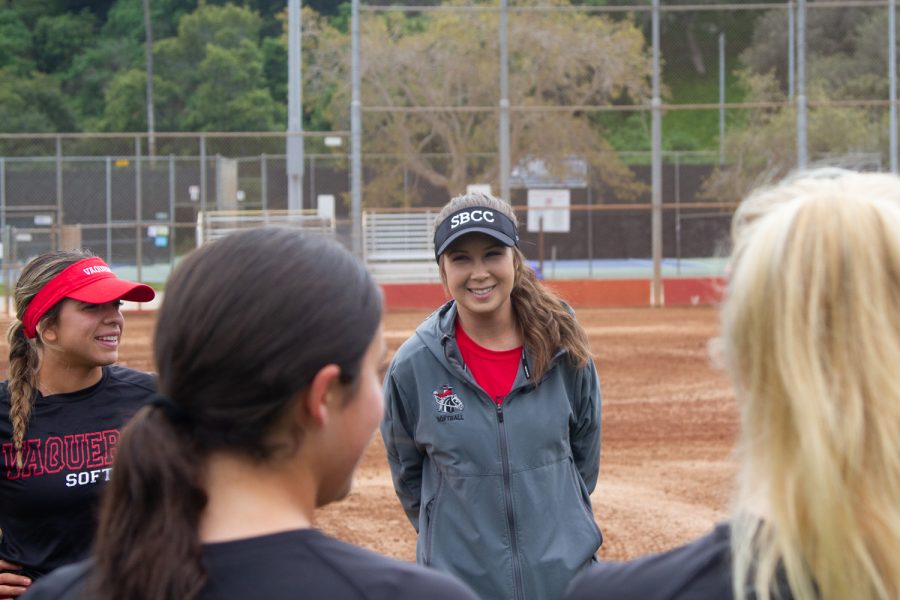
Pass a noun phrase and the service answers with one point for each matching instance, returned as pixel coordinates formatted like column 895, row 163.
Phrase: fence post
column 171, row 212
column 678, row 212
column 2, row 194
column 59, row 194
column 138, row 258
column 590, row 225
column 264, row 181
column 7, row 264
column 541, row 244
column 202, row 180
column 109, row 209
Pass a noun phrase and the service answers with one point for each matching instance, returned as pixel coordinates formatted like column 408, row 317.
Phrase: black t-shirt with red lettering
column 48, row 508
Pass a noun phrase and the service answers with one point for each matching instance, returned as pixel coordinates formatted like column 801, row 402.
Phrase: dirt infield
column 669, row 423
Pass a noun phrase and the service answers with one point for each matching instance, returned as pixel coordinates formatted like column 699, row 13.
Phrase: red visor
column 89, row 280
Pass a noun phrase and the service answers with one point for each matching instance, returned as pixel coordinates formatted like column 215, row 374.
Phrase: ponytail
column 148, row 545
column 546, row 323
column 23, row 363
column 23, row 353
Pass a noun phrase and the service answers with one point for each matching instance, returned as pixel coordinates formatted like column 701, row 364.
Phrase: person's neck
column 494, row 331
column 62, row 377
column 249, row 499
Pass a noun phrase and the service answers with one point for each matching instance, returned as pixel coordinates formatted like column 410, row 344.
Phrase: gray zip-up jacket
column 499, row 494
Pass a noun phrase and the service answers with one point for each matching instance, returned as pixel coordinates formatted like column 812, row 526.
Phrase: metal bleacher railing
column 398, row 246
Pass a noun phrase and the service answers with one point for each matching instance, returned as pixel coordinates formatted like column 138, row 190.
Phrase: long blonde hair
column 811, row 332
column 23, row 352
column 544, row 320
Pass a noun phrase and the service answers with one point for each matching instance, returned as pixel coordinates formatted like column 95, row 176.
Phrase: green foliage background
column 78, row 65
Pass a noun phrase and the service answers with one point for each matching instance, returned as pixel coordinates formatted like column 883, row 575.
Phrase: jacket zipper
column 510, row 516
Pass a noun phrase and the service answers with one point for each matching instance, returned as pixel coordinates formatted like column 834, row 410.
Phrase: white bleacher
column 217, row 223
column 399, row 247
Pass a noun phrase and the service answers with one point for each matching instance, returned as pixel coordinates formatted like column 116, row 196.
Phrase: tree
column 208, row 77
column 847, row 60
column 57, row 38
column 450, row 59
column 32, row 104
column 15, row 42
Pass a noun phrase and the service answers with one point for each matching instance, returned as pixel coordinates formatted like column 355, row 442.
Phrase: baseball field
column 669, row 423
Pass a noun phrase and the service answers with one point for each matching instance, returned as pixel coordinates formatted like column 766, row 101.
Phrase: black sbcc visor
column 475, row 220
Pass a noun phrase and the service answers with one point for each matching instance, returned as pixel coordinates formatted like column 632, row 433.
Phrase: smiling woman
column 492, row 420
column 66, row 403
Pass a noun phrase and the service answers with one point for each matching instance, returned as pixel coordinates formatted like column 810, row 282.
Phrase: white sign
column 550, row 205
column 333, row 141
column 43, row 219
column 240, row 195
column 194, row 192
column 23, row 237
column 325, row 203
column 157, row 231
column 479, row 188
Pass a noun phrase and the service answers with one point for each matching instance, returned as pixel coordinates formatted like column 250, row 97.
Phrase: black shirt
column 698, row 570
column 47, row 509
column 293, row 564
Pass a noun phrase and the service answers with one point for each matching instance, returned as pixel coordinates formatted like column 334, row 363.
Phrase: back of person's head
column 246, row 323
column 811, row 332
column 23, row 351
column 546, row 324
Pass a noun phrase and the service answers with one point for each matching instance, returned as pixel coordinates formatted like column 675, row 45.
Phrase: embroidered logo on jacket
column 448, row 404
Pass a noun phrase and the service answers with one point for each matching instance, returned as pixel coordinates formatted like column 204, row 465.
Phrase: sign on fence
column 550, row 205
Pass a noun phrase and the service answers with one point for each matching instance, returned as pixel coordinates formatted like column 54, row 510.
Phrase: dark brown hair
column 23, row 355
column 246, row 323
column 546, row 323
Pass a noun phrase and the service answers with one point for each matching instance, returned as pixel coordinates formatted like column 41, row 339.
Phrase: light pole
column 148, row 54
column 295, row 108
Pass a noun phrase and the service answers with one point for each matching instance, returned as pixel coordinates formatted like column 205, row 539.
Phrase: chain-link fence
column 746, row 92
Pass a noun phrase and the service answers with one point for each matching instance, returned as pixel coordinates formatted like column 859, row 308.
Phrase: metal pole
column 109, row 208
column 801, row 85
column 721, row 97
column 148, row 54
column 590, row 225
column 264, row 181
column 295, row 108
column 171, row 212
column 7, row 267
column 792, row 49
column 138, row 208
column 312, row 181
column 678, row 213
column 57, row 242
column 656, row 291
column 203, row 183
column 356, row 136
column 3, row 196
column 504, row 104
column 892, row 76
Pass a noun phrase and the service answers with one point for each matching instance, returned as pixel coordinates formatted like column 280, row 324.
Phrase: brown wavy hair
column 547, row 324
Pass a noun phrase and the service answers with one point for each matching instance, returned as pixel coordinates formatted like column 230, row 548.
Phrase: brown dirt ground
column 669, row 422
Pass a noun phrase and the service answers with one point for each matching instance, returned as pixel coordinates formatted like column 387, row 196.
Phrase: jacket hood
column 439, row 327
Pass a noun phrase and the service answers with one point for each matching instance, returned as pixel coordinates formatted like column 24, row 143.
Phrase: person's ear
column 48, row 333
column 322, row 393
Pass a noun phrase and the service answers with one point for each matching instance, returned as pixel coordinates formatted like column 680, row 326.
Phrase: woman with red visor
column 66, row 403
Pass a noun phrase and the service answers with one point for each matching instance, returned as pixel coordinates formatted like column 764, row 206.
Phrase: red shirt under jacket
column 495, row 371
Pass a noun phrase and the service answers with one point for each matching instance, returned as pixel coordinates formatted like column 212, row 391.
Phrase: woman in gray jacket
column 492, row 417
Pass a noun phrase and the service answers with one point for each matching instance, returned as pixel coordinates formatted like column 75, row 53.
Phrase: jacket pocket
column 584, row 498
column 430, row 518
